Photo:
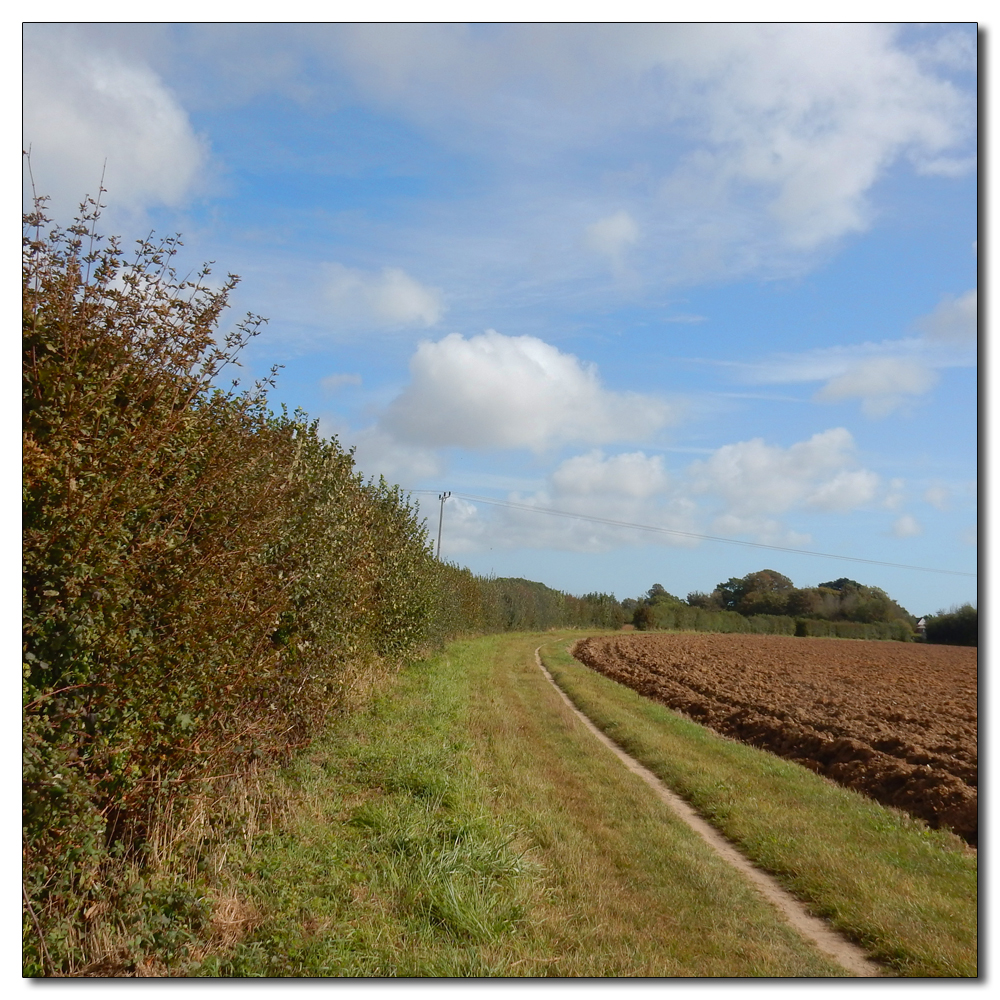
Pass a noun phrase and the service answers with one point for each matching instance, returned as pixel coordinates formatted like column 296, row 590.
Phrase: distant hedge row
column 684, row 618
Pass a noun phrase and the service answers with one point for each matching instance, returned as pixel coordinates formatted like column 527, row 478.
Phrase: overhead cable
column 691, row 534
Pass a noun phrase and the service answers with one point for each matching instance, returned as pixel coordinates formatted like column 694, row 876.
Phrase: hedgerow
column 204, row 581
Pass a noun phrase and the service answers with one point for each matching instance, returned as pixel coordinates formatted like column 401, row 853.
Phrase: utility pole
column 442, row 497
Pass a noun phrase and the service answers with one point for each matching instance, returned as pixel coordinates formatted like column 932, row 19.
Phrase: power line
column 692, row 534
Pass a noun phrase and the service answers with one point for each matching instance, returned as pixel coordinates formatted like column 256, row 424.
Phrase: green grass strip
column 906, row 893
column 466, row 824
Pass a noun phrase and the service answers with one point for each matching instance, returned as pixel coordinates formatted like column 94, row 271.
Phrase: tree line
column 767, row 601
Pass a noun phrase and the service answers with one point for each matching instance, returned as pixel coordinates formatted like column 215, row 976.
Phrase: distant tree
column 768, row 581
column 765, row 581
column 958, row 627
column 805, row 603
column 730, row 593
column 658, row 594
column 644, row 618
column 709, row 602
column 842, row 584
column 763, row 602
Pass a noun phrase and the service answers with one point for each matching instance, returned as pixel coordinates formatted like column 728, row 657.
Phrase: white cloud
column 612, row 236
column 815, row 113
column 882, row 384
column 747, row 486
column 493, row 391
column 938, row 496
column 741, row 147
column 767, row 530
column 954, row 320
column 883, row 375
column 847, row 490
column 907, row 526
column 895, row 497
column 631, row 488
column 749, row 143
column 390, row 299
column 333, row 382
column 757, row 479
column 633, row 475
column 84, row 105
column 377, row 453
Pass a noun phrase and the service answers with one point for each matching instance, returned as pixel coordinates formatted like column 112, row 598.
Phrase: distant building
column 922, row 625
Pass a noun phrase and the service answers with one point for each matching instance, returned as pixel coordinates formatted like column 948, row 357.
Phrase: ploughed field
column 896, row 721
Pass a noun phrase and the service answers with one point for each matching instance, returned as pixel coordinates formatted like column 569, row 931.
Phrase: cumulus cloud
column 907, row 526
column 84, row 105
column 632, row 487
column 377, row 453
column 390, row 299
column 635, row 475
column 753, row 478
column 742, row 489
column 954, row 320
column 882, row 384
column 494, row 391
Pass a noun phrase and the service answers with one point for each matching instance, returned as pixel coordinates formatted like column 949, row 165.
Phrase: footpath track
column 818, row 932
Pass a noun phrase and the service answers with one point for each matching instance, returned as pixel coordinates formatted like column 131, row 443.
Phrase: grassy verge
column 908, row 894
column 466, row 824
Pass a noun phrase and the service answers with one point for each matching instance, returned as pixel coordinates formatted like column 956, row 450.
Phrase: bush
column 203, row 580
column 959, row 627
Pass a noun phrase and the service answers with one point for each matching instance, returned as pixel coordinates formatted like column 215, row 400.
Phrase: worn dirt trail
column 817, row 931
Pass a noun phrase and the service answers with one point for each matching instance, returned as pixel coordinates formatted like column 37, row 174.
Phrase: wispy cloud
column 612, row 236
column 954, row 321
column 389, row 299
column 882, row 376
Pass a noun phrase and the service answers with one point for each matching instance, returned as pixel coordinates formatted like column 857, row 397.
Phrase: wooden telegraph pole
column 442, row 497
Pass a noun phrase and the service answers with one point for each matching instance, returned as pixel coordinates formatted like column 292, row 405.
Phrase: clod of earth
column 895, row 721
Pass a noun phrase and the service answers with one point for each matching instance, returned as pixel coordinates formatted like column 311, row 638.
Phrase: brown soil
column 896, row 721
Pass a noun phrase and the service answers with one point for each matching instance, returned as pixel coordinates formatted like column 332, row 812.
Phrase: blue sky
column 719, row 279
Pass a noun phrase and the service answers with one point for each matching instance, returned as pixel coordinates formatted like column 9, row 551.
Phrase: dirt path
column 817, row 931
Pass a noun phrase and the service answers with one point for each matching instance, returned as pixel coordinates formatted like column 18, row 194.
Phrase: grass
column 907, row 893
column 466, row 824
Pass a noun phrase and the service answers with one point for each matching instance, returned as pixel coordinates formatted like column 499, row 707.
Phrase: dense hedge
column 958, row 627
column 898, row 630
column 203, row 582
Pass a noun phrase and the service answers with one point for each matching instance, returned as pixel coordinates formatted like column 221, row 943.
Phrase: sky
column 714, row 279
